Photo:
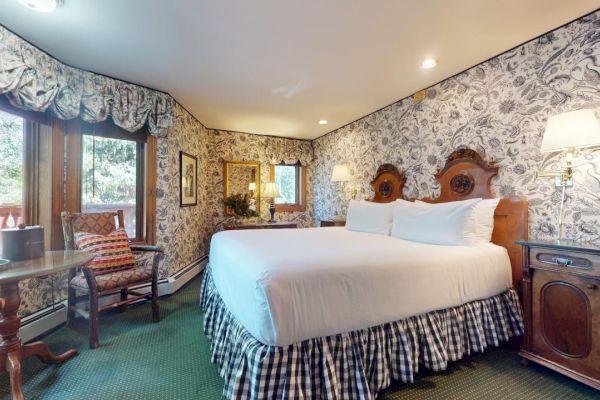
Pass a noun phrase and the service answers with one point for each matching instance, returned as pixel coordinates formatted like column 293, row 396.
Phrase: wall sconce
column 565, row 133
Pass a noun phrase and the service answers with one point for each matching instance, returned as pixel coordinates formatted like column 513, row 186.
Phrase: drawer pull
column 591, row 286
column 565, row 262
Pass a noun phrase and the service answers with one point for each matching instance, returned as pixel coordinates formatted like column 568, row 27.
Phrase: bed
column 295, row 314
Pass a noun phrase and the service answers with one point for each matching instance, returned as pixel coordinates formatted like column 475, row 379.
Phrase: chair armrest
column 146, row 247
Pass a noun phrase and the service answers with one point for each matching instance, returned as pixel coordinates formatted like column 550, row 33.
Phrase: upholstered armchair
column 93, row 282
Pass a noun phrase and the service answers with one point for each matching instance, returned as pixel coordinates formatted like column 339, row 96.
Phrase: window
column 110, row 169
column 11, row 170
column 26, row 167
column 291, row 181
column 112, row 178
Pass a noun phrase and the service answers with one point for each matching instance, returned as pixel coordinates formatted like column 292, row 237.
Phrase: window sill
column 290, row 207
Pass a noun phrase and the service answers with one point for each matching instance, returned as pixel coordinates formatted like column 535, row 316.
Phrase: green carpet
column 170, row 360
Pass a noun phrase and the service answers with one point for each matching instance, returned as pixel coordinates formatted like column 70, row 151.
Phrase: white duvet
column 288, row 285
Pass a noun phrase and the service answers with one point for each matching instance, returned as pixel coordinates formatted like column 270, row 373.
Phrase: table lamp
column 252, row 188
column 271, row 191
column 341, row 174
column 564, row 133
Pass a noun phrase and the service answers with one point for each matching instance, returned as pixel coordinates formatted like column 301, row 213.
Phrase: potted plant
column 239, row 204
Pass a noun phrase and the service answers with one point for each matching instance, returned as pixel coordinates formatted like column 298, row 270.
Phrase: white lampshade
column 340, row 173
column 574, row 129
column 252, row 186
column 270, row 191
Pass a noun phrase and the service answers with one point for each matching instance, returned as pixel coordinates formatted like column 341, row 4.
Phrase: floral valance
column 33, row 80
column 290, row 151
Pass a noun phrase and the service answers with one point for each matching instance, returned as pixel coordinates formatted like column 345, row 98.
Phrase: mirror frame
column 226, row 164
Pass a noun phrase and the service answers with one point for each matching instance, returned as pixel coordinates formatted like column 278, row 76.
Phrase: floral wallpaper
column 234, row 146
column 183, row 231
column 499, row 108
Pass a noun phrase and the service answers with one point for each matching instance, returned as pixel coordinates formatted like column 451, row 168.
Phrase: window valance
column 33, row 80
column 290, row 151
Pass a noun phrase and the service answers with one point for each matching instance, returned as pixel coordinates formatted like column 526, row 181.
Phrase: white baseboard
column 42, row 321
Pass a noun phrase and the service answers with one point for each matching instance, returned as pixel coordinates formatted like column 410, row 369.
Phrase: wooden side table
column 326, row 222
column 12, row 351
column 261, row 225
column 561, row 299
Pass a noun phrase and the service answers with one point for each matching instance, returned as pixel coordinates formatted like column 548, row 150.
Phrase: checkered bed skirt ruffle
column 354, row 365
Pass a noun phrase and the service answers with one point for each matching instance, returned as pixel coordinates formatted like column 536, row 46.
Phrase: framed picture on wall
column 188, row 180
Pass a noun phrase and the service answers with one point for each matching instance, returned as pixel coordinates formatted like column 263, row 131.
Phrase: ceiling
column 277, row 67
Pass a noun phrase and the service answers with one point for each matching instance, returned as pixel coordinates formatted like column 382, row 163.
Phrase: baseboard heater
column 44, row 320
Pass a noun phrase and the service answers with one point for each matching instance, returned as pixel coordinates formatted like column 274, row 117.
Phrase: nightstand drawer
column 564, row 260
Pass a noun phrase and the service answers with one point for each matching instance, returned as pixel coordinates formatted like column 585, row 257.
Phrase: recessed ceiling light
column 428, row 63
column 323, row 122
column 44, row 6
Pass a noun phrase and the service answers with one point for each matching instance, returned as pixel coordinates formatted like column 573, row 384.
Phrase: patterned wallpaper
column 498, row 108
column 183, row 231
column 224, row 145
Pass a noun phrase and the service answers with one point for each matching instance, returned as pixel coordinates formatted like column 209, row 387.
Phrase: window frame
column 56, row 128
column 300, row 205
column 145, row 167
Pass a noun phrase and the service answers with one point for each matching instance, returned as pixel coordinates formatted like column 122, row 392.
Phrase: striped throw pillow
column 112, row 250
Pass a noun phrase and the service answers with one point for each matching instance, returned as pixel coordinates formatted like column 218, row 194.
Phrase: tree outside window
column 11, row 169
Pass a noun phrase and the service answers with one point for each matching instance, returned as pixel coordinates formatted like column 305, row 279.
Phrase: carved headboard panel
column 466, row 176
column 387, row 184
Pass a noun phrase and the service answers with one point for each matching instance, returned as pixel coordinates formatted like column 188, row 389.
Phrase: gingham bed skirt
column 354, row 365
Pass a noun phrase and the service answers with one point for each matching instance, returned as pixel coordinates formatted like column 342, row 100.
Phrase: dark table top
column 589, row 247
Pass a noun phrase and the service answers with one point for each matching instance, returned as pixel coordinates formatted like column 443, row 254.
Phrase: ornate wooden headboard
column 387, row 184
column 466, row 176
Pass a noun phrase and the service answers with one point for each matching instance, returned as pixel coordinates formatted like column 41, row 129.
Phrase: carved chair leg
column 123, row 307
column 43, row 353
column 93, row 322
column 155, row 308
column 13, row 367
column 72, row 295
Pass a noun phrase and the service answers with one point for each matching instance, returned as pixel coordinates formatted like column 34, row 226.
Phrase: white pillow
column 366, row 216
column 481, row 222
column 444, row 223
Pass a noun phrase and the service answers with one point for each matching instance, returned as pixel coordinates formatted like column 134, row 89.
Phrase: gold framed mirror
column 242, row 178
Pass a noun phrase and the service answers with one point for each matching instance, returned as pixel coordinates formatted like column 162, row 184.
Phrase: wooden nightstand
column 562, row 308
column 261, row 225
column 332, row 223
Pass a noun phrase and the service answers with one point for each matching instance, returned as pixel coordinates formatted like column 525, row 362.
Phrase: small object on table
column 261, row 225
column 12, row 351
column 561, row 307
column 22, row 243
column 333, row 222
column 271, row 191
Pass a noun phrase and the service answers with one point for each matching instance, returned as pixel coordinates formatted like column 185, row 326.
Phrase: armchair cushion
column 114, row 280
column 112, row 250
